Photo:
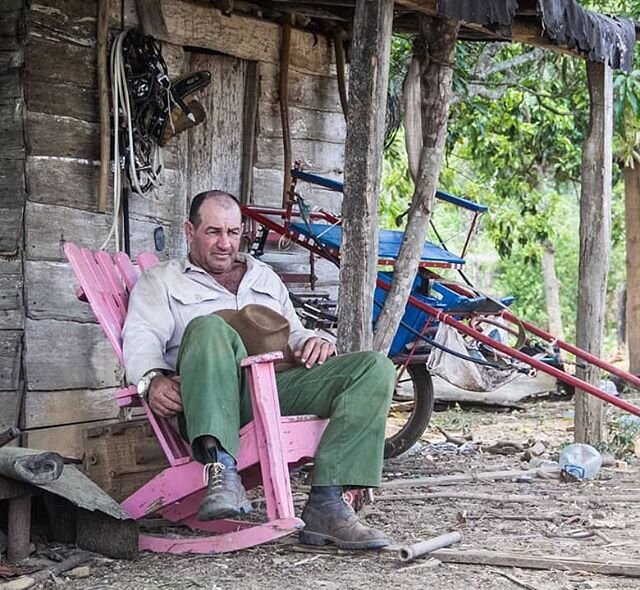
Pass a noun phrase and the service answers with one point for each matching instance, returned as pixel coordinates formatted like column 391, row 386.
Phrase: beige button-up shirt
column 169, row 295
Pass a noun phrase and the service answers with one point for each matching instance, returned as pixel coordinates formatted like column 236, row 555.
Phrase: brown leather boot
column 226, row 496
column 329, row 519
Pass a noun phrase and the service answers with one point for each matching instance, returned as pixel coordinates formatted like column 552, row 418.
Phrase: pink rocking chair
column 268, row 445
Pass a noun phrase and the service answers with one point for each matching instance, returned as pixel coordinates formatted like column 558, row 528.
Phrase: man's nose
column 223, row 240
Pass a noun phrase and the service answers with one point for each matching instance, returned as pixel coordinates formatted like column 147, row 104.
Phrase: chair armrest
column 268, row 357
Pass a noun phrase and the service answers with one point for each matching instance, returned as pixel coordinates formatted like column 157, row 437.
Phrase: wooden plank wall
column 12, row 198
column 70, row 371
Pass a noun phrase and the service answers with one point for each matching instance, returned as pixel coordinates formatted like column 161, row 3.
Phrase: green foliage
column 516, row 132
column 623, row 433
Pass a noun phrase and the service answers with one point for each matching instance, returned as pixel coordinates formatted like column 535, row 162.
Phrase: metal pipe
column 521, row 356
column 409, row 552
column 579, row 353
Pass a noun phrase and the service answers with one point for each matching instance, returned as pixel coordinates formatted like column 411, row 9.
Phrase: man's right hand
column 164, row 396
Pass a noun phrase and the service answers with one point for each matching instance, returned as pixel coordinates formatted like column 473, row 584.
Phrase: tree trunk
column 435, row 47
column 595, row 241
column 632, row 224
column 368, row 81
column 552, row 290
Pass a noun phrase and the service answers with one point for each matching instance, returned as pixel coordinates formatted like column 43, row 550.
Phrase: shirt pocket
column 263, row 295
column 187, row 304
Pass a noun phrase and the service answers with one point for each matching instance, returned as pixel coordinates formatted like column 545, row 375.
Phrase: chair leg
column 273, row 463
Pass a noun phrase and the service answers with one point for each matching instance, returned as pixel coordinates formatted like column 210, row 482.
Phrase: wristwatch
column 145, row 383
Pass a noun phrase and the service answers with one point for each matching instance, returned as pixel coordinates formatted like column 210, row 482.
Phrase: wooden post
column 595, row 244
column 251, row 95
column 632, row 225
column 368, row 80
column 435, row 49
column 103, row 93
column 19, row 528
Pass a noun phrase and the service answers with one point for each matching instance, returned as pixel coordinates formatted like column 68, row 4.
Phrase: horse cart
column 495, row 340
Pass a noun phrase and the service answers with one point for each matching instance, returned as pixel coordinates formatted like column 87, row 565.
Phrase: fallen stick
column 511, row 498
column 544, row 562
column 24, row 582
column 515, row 580
column 460, row 478
column 409, row 552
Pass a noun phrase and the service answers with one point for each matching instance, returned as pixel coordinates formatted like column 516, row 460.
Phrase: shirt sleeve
column 147, row 329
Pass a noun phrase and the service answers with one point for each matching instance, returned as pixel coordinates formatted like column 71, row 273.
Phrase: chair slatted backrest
column 106, row 286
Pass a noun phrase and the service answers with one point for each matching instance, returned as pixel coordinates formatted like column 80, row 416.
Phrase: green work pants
column 353, row 391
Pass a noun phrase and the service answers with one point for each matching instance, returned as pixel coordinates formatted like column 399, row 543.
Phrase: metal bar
column 521, row 356
column 578, row 352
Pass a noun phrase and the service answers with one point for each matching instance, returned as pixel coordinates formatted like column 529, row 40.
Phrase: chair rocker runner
column 269, row 444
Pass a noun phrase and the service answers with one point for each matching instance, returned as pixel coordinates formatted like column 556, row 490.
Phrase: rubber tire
column 418, row 421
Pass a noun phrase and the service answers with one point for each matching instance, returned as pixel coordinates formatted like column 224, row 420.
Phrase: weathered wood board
column 215, row 146
column 9, row 407
column 50, row 292
column 72, row 21
column 304, row 123
column 319, row 157
column 247, row 38
column 306, row 90
column 70, row 406
column 11, row 307
column 53, row 135
column 48, row 227
column 267, row 189
column 11, row 128
column 66, row 440
column 120, row 458
column 68, row 355
column 10, row 351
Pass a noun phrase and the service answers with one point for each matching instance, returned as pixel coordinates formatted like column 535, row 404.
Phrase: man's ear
column 189, row 230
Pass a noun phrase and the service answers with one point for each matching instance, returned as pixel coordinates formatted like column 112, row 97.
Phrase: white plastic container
column 580, row 460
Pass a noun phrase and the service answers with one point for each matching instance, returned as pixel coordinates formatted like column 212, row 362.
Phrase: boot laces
column 213, row 475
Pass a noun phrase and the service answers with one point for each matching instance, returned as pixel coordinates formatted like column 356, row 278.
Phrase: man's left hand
column 315, row 351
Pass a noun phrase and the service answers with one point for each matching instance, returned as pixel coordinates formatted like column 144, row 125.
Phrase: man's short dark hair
column 196, row 203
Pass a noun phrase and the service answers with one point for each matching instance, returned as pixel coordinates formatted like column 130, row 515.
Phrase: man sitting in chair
column 172, row 327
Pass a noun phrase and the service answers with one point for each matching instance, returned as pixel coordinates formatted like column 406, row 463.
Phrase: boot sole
column 228, row 512
column 310, row 538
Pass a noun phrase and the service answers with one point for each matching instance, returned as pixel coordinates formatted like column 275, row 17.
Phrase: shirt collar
column 188, row 266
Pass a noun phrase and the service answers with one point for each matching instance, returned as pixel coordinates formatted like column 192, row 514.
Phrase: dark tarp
column 599, row 37
column 564, row 22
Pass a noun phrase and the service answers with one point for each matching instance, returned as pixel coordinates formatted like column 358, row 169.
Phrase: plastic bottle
column 580, row 460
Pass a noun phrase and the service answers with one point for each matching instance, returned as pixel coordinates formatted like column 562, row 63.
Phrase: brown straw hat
column 262, row 330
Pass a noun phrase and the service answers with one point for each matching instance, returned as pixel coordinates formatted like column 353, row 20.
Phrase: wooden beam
column 368, row 80
column 544, row 562
column 595, row 245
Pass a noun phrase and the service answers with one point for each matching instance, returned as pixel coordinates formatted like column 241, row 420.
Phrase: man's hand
column 164, row 396
column 315, row 351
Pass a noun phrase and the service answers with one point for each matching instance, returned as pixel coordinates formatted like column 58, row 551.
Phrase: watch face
column 143, row 385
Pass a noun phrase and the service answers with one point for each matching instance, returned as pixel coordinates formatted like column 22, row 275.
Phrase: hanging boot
column 329, row 519
column 226, row 496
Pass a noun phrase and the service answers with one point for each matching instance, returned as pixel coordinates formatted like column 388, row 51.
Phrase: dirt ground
column 571, row 519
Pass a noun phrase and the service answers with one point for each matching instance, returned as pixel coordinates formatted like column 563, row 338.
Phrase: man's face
column 214, row 243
